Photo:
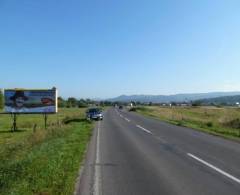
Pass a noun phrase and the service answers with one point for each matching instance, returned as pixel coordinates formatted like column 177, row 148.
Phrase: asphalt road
column 135, row 155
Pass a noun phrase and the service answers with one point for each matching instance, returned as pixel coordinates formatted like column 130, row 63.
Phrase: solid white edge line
column 147, row 131
column 214, row 168
column 97, row 176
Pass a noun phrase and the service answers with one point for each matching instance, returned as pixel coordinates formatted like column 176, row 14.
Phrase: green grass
column 218, row 121
column 43, row 161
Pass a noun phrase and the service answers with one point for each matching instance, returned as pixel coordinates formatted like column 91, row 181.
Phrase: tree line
column 70, row 102
column 74, row 102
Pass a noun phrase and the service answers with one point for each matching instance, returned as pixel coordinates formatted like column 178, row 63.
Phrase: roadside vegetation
column 223, row 121
column 43, row 162
column 72, row 102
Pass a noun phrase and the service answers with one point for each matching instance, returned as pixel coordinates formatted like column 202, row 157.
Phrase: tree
column 88, row 101
column 1, row 99
column 197, row 103
column 106, row 103
column 61, row 102
column 72, row 102
column 82, row 103
column 138, row 103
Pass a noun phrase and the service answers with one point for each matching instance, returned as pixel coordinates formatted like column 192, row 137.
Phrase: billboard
column 30, row 100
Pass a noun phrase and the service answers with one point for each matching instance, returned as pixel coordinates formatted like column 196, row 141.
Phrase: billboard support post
column 14, row 125
column 45, row 120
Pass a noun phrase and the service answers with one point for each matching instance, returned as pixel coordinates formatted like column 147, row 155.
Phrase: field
column 219, row 121
column 38, row 161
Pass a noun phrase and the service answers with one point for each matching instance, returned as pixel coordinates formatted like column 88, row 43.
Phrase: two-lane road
column 131, row 154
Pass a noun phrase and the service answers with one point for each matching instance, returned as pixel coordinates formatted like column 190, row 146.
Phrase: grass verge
column 218, row 121
column 43, row 162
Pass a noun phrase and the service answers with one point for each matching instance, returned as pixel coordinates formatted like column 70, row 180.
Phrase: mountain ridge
column 224, row 100
column 182, row 97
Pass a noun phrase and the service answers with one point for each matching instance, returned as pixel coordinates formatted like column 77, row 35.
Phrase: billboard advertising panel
column 30, row 100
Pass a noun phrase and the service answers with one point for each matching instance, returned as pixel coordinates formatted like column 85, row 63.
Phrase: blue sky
column 106, row 48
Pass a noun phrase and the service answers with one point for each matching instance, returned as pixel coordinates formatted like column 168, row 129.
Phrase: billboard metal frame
column 45, row 114
column 34, row 90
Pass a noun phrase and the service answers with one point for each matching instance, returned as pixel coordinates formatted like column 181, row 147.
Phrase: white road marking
column 121, row 115
column 97, row 176
column 127, row 119
column 215, row 168
column 147, row 131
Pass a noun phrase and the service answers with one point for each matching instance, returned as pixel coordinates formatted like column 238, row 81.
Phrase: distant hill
column 172, row 98
column 227, row 100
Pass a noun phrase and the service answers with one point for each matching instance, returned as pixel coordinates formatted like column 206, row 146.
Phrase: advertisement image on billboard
column 30, row 101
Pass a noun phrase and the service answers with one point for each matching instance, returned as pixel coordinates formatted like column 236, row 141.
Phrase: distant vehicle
column 120, row 107
column 94, row 114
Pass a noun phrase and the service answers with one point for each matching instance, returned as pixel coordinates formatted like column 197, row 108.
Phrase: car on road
column 94, row 114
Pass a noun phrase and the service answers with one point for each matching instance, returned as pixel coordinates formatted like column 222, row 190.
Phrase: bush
column 209, row 124
column 179, row 123
column 235, row 123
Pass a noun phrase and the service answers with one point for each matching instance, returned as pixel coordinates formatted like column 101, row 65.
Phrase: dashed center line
column 214, row 168
column 142, row 128
column 124, row 118
column 189, row 154
column 127, row 119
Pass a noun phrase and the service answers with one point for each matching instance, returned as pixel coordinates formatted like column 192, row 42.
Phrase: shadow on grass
column 10, row 131
column 78, row 120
